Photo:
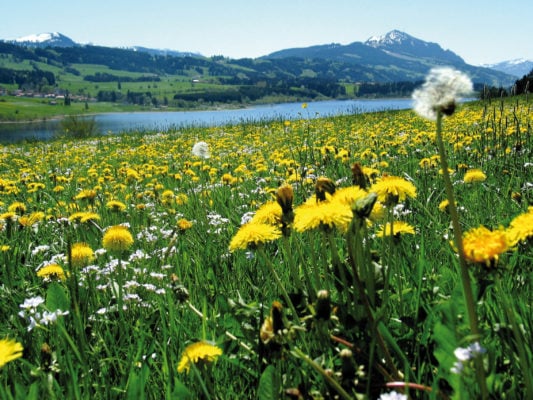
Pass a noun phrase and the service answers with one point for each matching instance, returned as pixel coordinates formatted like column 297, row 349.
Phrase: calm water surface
column 163, row 120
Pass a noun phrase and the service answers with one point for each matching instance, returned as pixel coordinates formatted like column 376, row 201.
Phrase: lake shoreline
column 163, row 119
column 225, row 107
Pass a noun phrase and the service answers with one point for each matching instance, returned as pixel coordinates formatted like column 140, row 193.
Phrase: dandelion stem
column 465, row 276
column 330, row 380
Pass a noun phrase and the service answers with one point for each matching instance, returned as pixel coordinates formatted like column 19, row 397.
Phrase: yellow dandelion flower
column 228, row 179
column 325, row 214
column 521, row 228
column 184, row 224
column 117, row 238
column 393, row 189
column 483, row 246
column 397, row 229
column 31, row 219
column 52, row 271
column 253, row 235
column 88, row 216
column 269, row 213
column 9, row 350
column 167, row 196
column 81, row 255
column 200, row 353
column 115, row 205
column 349, row 195
column 9, row 216
column 444, row 205
column 182, row 199
column 17, row 207
column 474, row 175
column 86, row 194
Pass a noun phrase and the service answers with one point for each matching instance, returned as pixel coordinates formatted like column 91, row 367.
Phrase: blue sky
column 479, row 31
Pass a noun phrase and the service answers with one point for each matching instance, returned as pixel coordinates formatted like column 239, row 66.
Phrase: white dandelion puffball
column 201, row 149
column 439, row 92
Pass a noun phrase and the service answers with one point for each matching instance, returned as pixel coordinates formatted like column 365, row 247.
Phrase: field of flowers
column 312, row 258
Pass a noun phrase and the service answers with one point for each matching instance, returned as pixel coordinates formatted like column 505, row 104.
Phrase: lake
column 113, row 123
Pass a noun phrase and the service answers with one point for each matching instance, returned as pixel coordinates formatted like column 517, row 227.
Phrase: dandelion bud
column 284, row 197
column 358, row 176
column 46, row 356
column 276, row 313
column 363, row 207
column 323, row 305
column 323, row 186
column 348, row 367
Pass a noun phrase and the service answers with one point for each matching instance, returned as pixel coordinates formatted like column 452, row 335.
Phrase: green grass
column 393, row 329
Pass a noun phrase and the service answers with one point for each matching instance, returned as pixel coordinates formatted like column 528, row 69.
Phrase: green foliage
column 77, row 127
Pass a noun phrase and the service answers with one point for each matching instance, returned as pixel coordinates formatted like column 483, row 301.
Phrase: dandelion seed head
column 440, row 91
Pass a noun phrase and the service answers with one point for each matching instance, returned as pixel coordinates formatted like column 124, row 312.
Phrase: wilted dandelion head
column 198, row 353
column 201, row 149
column 117, row 238
column 252, row 235
column 9, row 350
column 440, row 91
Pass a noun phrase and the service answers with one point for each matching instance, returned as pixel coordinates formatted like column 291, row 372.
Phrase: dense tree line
column 401, row 89
column 33, row 78
column 525, row 84
column 105, row 77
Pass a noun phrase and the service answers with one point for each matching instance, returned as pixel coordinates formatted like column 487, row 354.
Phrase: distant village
column 59, row 97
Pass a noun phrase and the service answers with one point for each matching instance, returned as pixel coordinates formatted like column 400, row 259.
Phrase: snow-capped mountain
column 397, row 42
column 56, row 39
column 49, row 39
column 518, row 67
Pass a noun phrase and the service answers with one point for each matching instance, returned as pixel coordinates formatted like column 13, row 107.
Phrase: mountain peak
column 52, row 39
column 401, row 44
column 390, row 38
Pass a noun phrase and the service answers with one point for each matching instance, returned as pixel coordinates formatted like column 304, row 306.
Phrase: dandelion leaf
column 56, row 298
column 269, row 384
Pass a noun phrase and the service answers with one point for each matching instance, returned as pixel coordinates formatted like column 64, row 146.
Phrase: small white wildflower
column 247, row 217
column 393, row 396
column 440, row 91
column 32, row 303
column 40, row 249
column 462, row 354
column 201, row 149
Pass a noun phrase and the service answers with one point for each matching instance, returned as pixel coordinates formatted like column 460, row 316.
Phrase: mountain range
column 395, row 56
column 518, row 67
column 391, row 64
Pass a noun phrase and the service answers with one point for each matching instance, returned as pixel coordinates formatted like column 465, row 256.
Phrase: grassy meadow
column 305, row 259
